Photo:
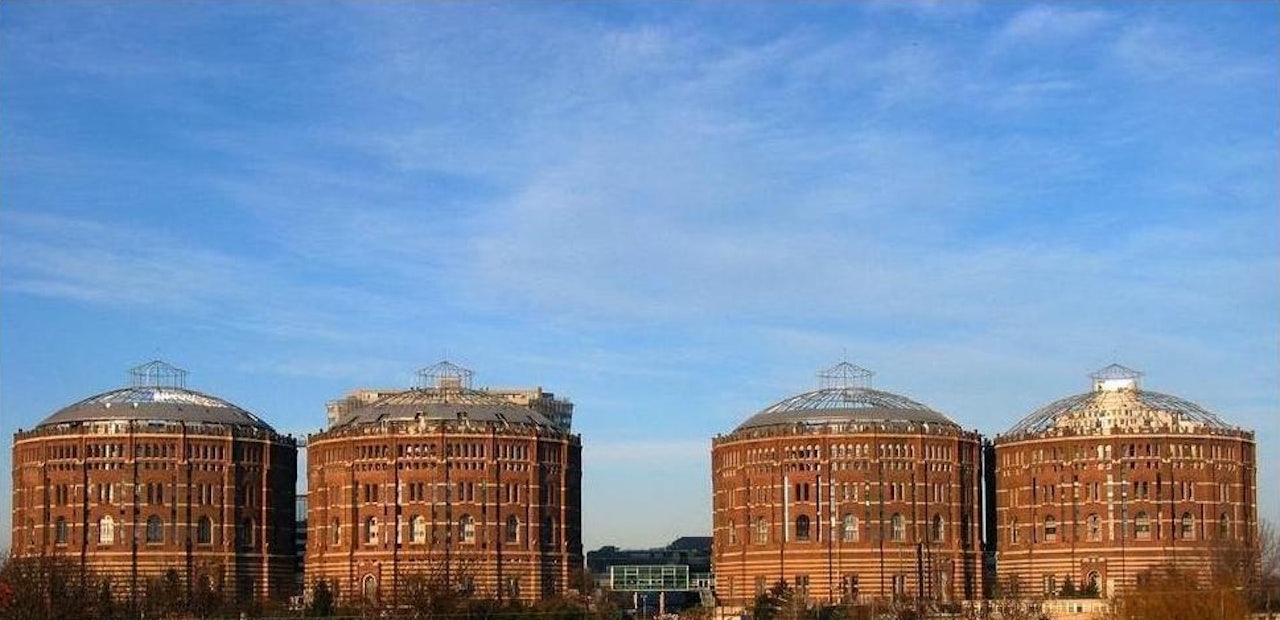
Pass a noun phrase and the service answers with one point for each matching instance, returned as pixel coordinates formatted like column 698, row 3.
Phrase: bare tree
column 436, row 589
column 1265, row 590
column 49, row 587
column 1250, row 567
column 1171, row 593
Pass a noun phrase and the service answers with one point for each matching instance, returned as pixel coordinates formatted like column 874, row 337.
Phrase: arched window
column 335, row 532
column 731, row 532
column 938, row 529
column 1224, row 527
column 1095, row 528
column 106, row 530
column 512, row 531
column 1142, row 526
column 155, row 529
column 762, row 531
column 849, row 528
column 1013, row 530
column 60, row 531
column 371, row 531
column 204, row 531
column 467, row 529
column 1188, row 526
column 899, row 529
column 369, row 588
column 418, row 530
column 245, row 535
column 802, row 528
column 1050, row 529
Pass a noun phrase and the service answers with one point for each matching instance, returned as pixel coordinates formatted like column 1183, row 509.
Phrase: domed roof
column 444, row 394
column 1118, row 402
column 845, row 396
column 157, row 393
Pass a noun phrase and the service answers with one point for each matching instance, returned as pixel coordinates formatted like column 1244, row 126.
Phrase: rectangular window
column 849, row 586
column 802, row 585
column 899, row 586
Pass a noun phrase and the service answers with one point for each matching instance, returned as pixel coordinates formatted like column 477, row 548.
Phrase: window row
column 844, row 492
column 1141, row 528
column 109, row 532
column 463, row 530
column 1137, row 490
column 1127, row 451
column 803, row 529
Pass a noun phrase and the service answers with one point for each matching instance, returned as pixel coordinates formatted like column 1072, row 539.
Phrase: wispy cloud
column 1044, row 25
column 1156, row 50
column 89, row 261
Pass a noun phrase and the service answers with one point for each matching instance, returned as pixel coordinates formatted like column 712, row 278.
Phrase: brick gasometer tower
column 849, row 494
column 1101, row 486
column 157, row 480
column 476, row 490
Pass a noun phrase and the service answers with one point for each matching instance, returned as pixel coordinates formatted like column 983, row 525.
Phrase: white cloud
column 1155, row 50
column 1049, row 25
column 119, row 265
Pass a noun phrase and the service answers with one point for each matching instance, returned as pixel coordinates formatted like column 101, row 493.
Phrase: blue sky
column 672, row 214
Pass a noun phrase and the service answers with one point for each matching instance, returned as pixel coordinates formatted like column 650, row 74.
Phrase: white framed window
column 849, row 528
column 106, row 530
column 418, row 530
column 467, row 529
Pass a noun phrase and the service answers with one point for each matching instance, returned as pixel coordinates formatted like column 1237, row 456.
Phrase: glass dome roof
column 158, row 393
column 845, row 396
column 1118, row 402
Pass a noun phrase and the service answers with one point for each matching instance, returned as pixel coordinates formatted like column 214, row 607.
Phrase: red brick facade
column 1107, row 484
column 448, row 482
column 853, row 501
column 143, row 494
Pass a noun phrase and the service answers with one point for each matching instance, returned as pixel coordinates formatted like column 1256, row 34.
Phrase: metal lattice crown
column 844, row 376
column 157, row 374
column 444, row 376
column 1116, row 372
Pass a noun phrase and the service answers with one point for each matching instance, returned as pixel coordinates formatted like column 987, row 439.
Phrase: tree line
column 1241, row 580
